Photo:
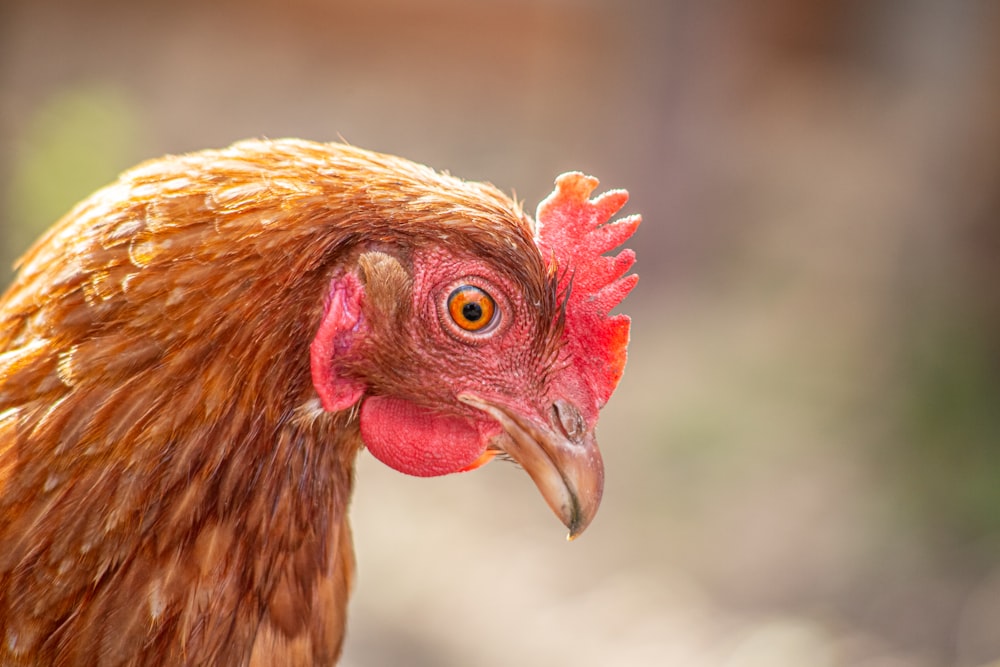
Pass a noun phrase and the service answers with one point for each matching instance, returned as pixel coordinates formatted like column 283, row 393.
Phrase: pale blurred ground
column 804, row 455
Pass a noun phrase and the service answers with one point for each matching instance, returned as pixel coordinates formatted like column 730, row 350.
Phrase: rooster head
column 463, row 329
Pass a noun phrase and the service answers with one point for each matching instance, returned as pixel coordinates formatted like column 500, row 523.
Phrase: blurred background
column 803, row 458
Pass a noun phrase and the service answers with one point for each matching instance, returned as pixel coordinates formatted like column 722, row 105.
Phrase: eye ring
column 472, row 308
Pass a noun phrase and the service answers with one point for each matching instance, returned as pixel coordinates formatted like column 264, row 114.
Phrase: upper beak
column 561, row 457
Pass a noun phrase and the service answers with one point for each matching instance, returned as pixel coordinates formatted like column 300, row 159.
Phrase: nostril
column 569, row 420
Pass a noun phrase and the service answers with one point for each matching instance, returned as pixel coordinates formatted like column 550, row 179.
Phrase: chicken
column 192, row 358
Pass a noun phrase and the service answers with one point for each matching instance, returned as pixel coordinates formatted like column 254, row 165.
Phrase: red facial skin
column 421, row 428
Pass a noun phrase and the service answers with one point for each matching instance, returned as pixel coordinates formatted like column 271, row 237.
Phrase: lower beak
column 562, row 459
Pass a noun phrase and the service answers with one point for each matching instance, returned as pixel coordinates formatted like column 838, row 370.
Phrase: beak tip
column 578, row 519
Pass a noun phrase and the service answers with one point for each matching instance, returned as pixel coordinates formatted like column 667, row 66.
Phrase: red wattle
column 418, row 441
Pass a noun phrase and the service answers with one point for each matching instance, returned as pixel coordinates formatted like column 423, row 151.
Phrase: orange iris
column 471, row 308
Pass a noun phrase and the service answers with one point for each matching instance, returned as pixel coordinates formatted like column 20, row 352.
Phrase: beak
column 562, row 458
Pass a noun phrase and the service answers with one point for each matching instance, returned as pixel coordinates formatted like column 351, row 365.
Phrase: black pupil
column 472, row 312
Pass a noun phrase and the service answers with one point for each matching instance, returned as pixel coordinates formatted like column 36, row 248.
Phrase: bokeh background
column 804, row 455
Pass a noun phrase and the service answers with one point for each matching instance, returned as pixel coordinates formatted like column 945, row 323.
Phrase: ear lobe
column 341, row 321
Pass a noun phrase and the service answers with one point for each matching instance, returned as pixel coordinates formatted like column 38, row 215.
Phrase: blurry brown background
column 804, row 455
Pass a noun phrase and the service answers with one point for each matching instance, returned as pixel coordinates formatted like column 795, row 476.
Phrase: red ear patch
column 341, row 321
column 573, row 231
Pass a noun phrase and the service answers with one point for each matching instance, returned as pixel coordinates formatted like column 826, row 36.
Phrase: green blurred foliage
column 76, row 142
column 950, row 428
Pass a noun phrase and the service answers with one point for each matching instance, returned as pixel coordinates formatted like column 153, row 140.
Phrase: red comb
column 572, row 232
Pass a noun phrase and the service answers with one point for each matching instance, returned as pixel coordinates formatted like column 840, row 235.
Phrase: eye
column 471, row 308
